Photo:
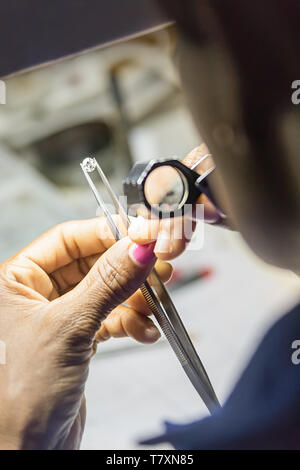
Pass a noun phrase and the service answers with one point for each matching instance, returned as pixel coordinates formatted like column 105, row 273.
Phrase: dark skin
column 237, row 62
column 60, row 296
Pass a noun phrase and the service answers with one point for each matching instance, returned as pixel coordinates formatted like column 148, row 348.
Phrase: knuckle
column 77, row 331
column 117, row 284
column 7, row 278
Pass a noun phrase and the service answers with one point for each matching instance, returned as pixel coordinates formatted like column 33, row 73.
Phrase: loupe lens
column 166, row 189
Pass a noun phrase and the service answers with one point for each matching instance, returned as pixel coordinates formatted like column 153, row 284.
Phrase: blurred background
column 122, row 104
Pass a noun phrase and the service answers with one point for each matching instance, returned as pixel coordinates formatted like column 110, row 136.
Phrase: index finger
column 69, row 241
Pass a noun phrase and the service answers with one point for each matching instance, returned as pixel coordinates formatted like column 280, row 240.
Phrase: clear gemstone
column 89, row 164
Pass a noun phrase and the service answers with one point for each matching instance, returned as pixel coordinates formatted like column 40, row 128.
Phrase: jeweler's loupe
column 166, row 187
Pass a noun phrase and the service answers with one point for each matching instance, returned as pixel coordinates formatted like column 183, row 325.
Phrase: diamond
column 89, row 164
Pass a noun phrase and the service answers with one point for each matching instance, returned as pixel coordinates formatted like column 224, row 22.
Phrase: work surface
column 132, row 389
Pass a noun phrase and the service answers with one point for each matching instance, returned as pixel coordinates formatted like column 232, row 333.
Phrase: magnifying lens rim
column 188, row 177
column 184, row 188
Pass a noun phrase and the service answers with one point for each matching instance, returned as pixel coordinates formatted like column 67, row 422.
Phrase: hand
column 55, row 295
column 170, row 237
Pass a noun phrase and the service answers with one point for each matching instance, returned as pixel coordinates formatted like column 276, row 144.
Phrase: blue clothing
column 263, row 411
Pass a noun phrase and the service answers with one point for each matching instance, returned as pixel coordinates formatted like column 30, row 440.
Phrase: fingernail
column 137, row 225
column 163, row 243
column 152, row 334
column 142, row 254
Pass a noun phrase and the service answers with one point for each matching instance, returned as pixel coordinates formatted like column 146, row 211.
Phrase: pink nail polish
column 143, row 254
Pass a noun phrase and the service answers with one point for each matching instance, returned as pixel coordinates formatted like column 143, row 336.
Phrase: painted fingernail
column 142, row 254
column 137, row 225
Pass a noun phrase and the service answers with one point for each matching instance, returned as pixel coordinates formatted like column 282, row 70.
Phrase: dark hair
column 262, row 35
column 263, row 38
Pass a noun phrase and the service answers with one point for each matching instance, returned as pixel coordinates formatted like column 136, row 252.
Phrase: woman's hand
column 59, row 296
column 173, row 235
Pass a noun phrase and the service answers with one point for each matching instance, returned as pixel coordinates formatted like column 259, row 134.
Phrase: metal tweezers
column 158, row 299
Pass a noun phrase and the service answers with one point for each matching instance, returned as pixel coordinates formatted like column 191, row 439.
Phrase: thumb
column 116, row 275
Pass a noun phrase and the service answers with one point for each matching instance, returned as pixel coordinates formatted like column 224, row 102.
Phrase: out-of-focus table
column 132, row 388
